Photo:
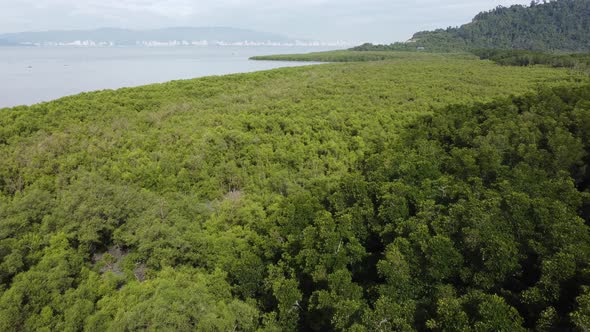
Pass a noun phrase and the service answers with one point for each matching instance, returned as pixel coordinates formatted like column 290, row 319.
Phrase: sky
column 325, row 20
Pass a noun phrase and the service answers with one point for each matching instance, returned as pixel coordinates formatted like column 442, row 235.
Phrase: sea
column 29, row 75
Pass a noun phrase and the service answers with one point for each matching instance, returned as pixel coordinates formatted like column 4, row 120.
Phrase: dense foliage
column 338, row 56
column 490, row 207
column 332, row 197
column 577, row 61
column 360, row 56
column 560, row 25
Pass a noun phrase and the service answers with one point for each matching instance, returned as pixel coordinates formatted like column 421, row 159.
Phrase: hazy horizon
column 323, row 20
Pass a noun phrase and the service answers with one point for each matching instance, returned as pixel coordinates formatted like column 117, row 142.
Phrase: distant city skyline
column 326, row 20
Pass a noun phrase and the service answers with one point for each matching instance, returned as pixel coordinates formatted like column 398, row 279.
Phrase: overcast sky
column 326, row 20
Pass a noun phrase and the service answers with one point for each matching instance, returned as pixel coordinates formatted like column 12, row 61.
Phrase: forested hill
column 562, row 25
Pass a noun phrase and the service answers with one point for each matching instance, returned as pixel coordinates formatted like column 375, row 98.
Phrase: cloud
column 166, row 8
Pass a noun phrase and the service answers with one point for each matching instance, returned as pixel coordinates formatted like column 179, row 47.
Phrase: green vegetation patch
column 576, row 61
column 360, row 56
column 329, row 197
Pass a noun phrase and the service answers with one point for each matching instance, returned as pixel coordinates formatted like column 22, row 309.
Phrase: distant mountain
column 123, row 37
column 7, row 43
column 562, row 25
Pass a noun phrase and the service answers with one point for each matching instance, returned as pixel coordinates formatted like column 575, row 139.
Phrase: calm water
column 32, row 75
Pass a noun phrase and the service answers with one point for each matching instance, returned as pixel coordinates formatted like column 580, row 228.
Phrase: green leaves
column 35, row 296
column 581, row 316
column 285, row 290
column 475, row 312
column 181, row 300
